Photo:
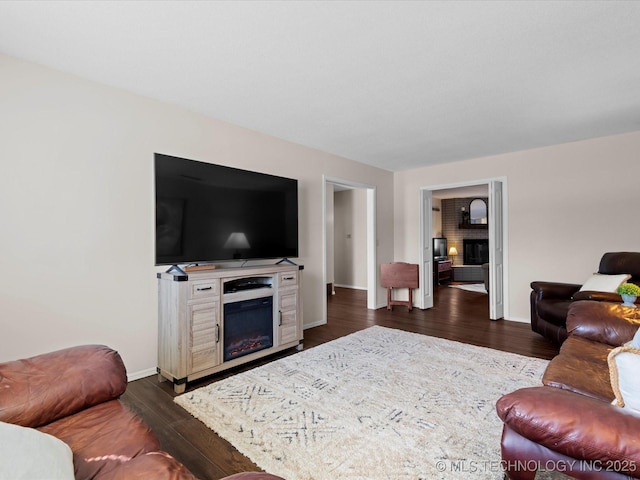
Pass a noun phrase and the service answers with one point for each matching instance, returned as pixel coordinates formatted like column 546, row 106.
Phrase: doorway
column 493, row 190
column 331, row 184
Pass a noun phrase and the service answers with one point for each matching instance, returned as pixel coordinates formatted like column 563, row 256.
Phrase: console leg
column 286, row 260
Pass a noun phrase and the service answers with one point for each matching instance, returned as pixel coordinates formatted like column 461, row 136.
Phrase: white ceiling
column 393, row 84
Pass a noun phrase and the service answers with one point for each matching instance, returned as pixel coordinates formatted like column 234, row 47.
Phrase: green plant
column 629, row 289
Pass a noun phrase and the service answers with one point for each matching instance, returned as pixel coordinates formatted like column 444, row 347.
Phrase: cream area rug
column 380, row 403
column 471, row 287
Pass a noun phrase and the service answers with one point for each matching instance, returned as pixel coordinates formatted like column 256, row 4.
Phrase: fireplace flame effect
column 247, row 345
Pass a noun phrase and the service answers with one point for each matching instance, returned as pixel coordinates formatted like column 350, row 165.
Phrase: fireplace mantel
column 473, row 226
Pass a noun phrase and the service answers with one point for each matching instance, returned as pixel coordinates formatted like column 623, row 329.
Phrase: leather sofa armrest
column 155, row 465
column 253, row 476
column 574, row 425
column 38, row 390
column 598, row 296
column 603, row 322
column 162, row 466
column 554, row 289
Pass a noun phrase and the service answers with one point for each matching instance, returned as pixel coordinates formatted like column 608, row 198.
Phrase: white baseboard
column 314, row 324
column 141, row 374
column 521, row 320
column 353, row 287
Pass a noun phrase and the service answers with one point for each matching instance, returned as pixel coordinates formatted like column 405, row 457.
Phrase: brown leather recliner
column 550, row 301
column 73, row 394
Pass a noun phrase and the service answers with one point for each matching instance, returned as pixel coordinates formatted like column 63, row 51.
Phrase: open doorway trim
column 426, row 216
column 371, row 242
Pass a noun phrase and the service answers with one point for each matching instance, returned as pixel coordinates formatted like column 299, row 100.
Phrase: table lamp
column 452, row 253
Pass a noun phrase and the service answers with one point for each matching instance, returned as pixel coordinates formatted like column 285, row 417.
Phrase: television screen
column 207, row 212
column 439, row 248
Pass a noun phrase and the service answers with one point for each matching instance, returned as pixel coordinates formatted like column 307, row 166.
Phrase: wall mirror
column 478, row 211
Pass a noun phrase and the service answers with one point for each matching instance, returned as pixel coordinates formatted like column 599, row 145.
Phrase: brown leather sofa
column 73, row 394
column 569, row 423
column 550, row 301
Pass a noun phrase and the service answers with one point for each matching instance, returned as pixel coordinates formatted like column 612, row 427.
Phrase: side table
column 442, row 271
column 399, row 275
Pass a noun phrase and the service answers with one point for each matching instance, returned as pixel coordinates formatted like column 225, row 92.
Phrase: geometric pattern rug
column 380, row 403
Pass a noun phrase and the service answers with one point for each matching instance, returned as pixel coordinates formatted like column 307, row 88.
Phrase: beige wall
column 566, row 205
column 76, row 199
column 350, row 240
column 76, row 206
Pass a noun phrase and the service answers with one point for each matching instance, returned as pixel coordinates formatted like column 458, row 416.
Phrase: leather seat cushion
column 581, row 367
column 151, row 465
column 103, row 437
column 554, row 310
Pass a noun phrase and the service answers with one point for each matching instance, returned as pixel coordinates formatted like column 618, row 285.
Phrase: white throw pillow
column 26, row 453
column 599, row 282
column 624, row 365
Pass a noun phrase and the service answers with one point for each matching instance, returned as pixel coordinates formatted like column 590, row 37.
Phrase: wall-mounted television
column 440, row 249
column 209, row 213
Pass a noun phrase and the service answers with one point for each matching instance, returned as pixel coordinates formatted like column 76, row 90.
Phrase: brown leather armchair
column 73, row 395
column 550, row 301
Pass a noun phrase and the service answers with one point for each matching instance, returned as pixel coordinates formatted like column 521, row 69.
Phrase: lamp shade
column 453, row 252
column 237, row 240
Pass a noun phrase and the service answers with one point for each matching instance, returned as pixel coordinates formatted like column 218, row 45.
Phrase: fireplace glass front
column 248, row 327
column 476, row 251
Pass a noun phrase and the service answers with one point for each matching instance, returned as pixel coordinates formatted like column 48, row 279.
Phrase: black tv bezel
column 205, row 261
column 433, row 247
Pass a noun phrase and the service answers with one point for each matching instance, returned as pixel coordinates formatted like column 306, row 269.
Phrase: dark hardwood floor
column 457, row 315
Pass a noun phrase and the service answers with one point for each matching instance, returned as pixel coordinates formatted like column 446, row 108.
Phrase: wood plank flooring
column 457, row 315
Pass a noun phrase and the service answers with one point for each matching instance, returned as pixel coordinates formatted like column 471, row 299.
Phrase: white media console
column 212, row 320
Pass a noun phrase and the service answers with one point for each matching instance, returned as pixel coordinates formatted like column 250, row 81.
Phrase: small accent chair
column 550, row 301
